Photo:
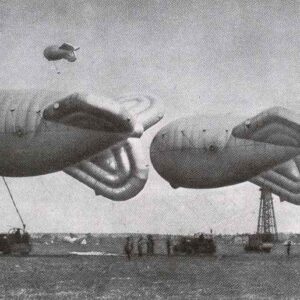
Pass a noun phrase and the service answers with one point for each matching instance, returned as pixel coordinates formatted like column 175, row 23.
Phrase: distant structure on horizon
column 267, row 226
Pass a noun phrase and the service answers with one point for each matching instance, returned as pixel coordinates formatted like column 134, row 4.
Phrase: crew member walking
column 128, row 247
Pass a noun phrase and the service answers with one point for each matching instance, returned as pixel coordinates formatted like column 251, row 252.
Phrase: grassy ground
column 226, row 275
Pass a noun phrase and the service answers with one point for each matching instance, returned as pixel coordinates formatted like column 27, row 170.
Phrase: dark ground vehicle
column 196, row 245
column 17, row 242
column 259, row 243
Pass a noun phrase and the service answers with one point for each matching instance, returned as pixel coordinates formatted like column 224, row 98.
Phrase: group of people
column 141, row 243
column 149, row 243
column 144, row 246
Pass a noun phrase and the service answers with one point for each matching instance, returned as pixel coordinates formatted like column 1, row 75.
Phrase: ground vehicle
column 17, row 241
column 196, row 245
column 258, row 243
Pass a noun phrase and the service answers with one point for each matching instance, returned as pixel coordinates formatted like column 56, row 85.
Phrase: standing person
column 128, row 247
column 18, row 236
column 140, row 246
column 168, row 242
column 150, row 245
column 288, row 248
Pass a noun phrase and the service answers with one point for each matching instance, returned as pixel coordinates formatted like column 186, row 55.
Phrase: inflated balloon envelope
column 214, row 151
column 94, row 139
column 65, row 51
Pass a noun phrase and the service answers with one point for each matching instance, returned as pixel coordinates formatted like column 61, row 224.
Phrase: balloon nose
column 155, row 153
column 162, row 159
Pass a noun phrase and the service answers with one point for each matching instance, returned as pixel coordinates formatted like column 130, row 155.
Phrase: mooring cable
column 14, row 203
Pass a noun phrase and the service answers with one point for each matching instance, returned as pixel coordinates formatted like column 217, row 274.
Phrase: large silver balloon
column 94, row 139
column 213, row 151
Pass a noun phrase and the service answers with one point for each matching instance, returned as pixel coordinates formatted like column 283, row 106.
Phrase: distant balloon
column 65, row 51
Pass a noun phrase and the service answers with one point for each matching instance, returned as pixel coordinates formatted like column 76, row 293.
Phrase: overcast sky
column 206, row 57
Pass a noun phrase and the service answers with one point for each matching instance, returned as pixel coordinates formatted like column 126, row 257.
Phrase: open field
column 231, row 273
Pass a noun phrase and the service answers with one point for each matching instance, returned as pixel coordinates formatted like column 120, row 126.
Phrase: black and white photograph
column 150, row 149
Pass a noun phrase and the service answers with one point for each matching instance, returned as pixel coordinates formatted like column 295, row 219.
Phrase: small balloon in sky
column 65, row 51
